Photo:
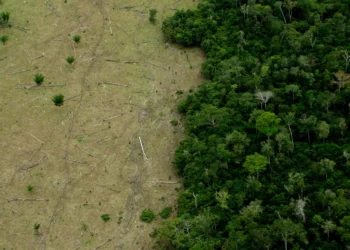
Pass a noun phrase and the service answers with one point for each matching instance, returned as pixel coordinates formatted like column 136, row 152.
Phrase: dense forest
column 265, row 162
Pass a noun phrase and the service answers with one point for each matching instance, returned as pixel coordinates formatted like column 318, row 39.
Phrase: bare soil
column 84, row 159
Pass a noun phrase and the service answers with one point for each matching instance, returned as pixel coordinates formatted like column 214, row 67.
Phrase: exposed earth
column 85, row 158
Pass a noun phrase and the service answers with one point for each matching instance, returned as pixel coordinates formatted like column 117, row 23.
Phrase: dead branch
column 159, row 66
column 81, row 162
column 163, row 182
column 35, row 138
column 143, row 151
column 109, row 60
column 117, row 84
column 35, row 164
column 39, row 57
column 112, row 117
column 27, row 199
column 104, row 243
column 40, row 87
column 17, row 72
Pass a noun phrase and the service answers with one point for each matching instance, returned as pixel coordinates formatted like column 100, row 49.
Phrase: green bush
column 4, row 39
column 38, row 79
column 174, row 122
column 152, row 15
column 76, row 38
column 30, row 188
column 105, row 217
column 70, row 59
column 58, row 100
column 5, row 16
column 147, row 215
column 165, row 213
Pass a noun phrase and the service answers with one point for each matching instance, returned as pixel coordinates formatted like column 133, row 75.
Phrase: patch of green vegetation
column 30, row 188
column 152, row 15
column 70, row 59
column 174, row 122
column 147, row 215
column 36, row 228
column 58, row 100
column 5, row 16
column 179, row 92
column 105, row 217
column 39, row 79
column 76, row 38
column 165, row 213
column 267, row 138
column 4, row 39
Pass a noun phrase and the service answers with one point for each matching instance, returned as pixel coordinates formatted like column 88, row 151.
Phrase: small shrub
column 147, row 215
column 70, row 59
column 5, row 16
column 174, row 122
column 38, row 79
column 179, row 92
column 30, row 188
column 165, row 213
column 105, row 217
column 58, row 100
column 76, row 38
column 152, row 15
column 4, row 39
column 36, row 228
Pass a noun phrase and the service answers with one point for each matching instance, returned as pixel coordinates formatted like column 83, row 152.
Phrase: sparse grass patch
column 147, row 215
column 4, row 39
column 105, row 217
column 38, row 79
column 58, row 100
column 165, row 213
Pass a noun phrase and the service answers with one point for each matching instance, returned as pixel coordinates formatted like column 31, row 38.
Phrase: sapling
column 76, row 38
column 70, row 59
column 5, row 16
column 105, row 217
column 152, row 15
column 38, row 79
column 30, row 188
column 4, row 39
column 36, row 228
column 58, row 100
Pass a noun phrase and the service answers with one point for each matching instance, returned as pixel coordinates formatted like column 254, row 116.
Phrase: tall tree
column 255, row 163
column 267, row 123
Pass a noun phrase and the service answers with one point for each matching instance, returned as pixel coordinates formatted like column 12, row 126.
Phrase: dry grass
column 84, row 158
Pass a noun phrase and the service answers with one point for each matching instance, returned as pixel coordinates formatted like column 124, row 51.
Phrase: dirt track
column 84, row 159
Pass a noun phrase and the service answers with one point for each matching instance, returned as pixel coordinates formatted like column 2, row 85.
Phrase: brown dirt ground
column 84, row 159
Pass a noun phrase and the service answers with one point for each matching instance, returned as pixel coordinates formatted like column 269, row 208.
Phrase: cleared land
column 84, row 159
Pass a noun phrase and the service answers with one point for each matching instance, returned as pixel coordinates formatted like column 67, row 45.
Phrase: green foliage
column 58, row 100
column 5, row 16
column 165, row 213
column 30, row 188
column 36, row 228
column 70, row 59
column 4, row 39
column 174, row 122
column 105, row 217
column 152, row 15
column 179, row 92
column 255, row 163
column 147, row 215
column 76, row 38
column 274, row 69
column 267, row 123
column 39, row 79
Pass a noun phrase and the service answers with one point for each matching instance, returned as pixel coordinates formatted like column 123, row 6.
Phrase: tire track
column 84, row 87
